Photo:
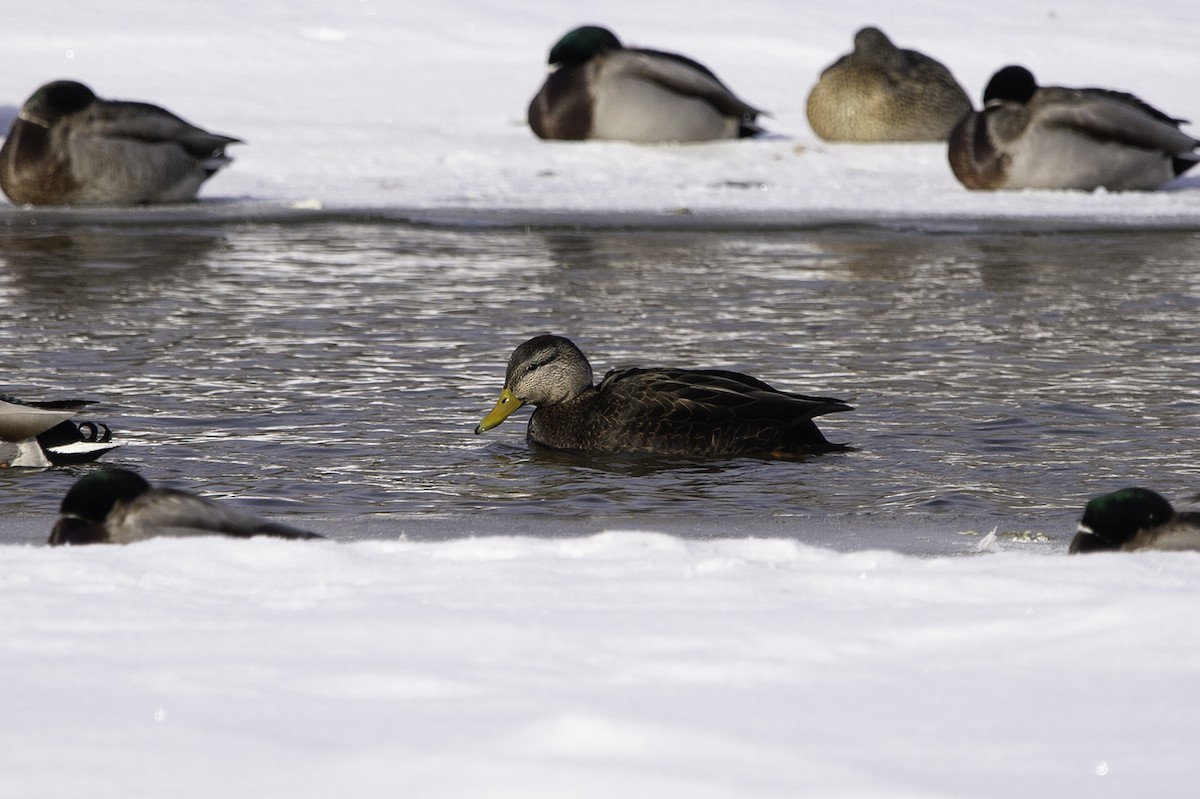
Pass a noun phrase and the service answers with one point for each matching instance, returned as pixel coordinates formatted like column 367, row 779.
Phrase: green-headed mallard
column 69, row 147
column 1031, row 137
column 690, row 412
column 40, row 434
column 117, row 506
column 600, row 89
column 1135, row 518
column 881, row 93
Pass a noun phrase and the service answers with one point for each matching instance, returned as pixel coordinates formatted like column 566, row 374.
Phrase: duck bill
column 507, row 403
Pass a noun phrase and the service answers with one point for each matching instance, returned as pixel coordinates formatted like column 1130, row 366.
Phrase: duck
column 1132, row 519
column 118, row 506
column 40, row 434
column 69, row 147
column 599, row 89
column 661, row 411
column 1048, row 137
column 881, row 93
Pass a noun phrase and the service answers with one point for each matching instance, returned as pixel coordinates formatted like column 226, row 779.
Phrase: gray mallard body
column 69, row 147
column 117, row 506
column 600, row 89
column 1047, row 137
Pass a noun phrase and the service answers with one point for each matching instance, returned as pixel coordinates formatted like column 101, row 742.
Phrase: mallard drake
column 600, row 89
column 117, row 506
column 881, row 93
column 69, row 147
column 1135, row 518
column 40, row 434
column 1048, row 137
column 690, row 412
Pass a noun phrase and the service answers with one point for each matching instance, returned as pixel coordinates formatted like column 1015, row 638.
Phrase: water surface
column 336, row 368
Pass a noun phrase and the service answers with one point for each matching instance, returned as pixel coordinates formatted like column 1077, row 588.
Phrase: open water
column 332, row 369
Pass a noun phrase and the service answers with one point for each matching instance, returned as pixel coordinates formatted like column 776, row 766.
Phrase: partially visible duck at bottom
column 660, row 410
column 1047, row 137
column 117, row 506
column 1133, row 519
column 40, row 434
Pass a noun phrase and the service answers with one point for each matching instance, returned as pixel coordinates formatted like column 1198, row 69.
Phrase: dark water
column 337, row 368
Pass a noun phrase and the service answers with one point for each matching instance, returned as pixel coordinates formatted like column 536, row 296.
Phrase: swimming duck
column 117, row 506
column 69, row 147
column 699, row 412
column 1031, row 137
column 881, row 93
column 41, row 434
column 1135, row 518
column 600, row 89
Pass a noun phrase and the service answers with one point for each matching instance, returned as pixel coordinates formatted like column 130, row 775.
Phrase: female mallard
column 1135, row 518
column 599, row 89
column 69, row 147
column 1031, row 137
column 119, row 507
column 701, row 412
column 881, row 93
column 40, row 434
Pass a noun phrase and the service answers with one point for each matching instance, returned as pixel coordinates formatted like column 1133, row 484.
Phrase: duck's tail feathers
column 1182, row 163
column 76, row 442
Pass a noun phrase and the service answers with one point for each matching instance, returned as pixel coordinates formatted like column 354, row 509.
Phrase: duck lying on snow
column 1046, row 137
column 69, row 147
column 117, row 506
column 880, row 93
column 1135, row 518
column 40, row 434
column 697, row 412
column 600, row 89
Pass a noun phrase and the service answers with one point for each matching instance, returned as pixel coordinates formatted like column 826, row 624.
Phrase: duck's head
column 55, row 100
column 581, row 45
column 93, row 496
column 1013, row 84
column 545, row 370
column 1114, row 519
column 872, row 47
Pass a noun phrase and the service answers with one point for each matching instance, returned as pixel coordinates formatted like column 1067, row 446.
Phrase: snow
column 625, row 662
column 365, row 105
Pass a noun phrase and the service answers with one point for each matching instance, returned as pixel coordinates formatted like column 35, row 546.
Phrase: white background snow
column 627, row 663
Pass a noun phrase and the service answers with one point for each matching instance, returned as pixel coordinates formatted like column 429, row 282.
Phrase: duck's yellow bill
column 507, row 403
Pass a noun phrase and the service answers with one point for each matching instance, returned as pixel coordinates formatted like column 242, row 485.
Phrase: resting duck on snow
column 600, row 89
column 1135, row 518
column 1031, row 137
column 689, row 412
column 117, row 506
column 881, row 93
column 40, row 434
column 69, row 147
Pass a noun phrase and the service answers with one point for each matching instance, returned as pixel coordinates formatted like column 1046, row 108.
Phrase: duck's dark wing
column 684, row 76
column 710, row 411
column 167, row 512
column 1136, row 102
column 1107, row 117
column 150, row 123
